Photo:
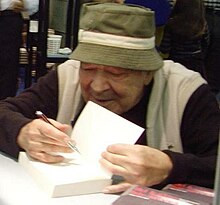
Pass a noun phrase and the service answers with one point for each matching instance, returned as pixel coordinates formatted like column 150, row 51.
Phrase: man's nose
column 100, row 82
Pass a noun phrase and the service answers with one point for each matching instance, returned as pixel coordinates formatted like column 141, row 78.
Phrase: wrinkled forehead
column 106, row 68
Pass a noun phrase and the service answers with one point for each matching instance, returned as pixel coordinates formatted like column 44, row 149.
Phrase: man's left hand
column 137, row 164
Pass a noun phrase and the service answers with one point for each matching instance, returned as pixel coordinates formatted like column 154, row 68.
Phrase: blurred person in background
column 186, row 35
column 11, row 24
column 162, row 11
column 212, row 60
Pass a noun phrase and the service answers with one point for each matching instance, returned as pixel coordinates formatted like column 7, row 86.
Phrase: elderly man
column 116, row 66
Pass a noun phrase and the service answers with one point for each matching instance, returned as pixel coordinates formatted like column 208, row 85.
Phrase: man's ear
column 148, row 76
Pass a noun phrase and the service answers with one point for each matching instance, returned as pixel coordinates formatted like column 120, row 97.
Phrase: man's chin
column 104, row 103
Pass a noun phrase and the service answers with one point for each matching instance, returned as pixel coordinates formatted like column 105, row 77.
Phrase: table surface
column 17, row 187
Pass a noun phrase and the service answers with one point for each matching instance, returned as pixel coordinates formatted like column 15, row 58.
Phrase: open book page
column 97, row 127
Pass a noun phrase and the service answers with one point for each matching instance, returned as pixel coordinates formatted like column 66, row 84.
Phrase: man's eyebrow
column 108, row 68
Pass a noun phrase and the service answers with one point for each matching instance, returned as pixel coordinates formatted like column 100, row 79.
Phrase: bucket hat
column 117, row 35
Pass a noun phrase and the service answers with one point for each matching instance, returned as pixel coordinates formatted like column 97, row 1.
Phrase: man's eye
column 118, row 75
column 87, row 69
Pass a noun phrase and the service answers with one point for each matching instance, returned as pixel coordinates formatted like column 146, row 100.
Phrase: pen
column 42, row 116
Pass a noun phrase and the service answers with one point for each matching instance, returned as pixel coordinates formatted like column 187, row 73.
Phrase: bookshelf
column 37, row 40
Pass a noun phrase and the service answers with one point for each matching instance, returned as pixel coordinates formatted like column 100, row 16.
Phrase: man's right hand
column 40, row 140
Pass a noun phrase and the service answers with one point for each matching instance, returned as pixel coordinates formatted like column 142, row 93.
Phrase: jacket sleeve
column 200, row 135
column 20, row 110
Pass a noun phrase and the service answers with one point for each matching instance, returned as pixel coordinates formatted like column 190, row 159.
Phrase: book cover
column 189, row 191
column 138, row 195
column 95, row 129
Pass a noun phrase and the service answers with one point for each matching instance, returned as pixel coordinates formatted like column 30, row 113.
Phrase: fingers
column 118, row 158
column 122, row 149
column 63, row 127
column 42, row 146
column 39, row 139
column 49, row 132
column 137, row 164
column 45, row 157
column 116, row 169
column 117, row 188
column 122, row 166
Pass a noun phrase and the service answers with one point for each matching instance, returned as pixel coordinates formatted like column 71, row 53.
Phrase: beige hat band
column 115, row 40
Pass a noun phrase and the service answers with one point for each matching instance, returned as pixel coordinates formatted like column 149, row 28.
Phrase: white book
column 95, row 129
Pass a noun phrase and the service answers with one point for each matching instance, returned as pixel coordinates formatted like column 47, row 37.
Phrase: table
column 18, row 188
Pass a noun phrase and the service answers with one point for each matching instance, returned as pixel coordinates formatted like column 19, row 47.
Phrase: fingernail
column 105, row 191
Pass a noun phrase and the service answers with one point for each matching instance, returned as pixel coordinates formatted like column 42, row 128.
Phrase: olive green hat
column 117, row 35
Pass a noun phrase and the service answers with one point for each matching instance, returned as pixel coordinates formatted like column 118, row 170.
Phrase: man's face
column 116, row 89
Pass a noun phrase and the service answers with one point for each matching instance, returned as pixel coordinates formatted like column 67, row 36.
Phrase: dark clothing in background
column 161, row 8
column 190, row 53
column 212, row 60
column 11, row 24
